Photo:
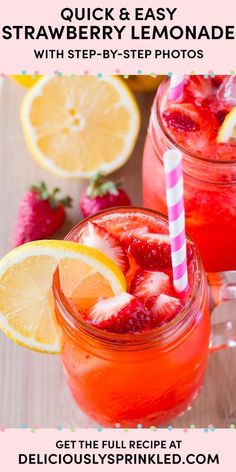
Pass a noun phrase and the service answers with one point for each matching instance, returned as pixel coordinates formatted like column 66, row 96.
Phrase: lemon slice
column 77, row 126
column 227, row 130
column 26, row 302
column 26, row 80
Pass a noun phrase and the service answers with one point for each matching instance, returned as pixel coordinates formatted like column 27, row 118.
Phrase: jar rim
column 156, row 113
column 165, row 333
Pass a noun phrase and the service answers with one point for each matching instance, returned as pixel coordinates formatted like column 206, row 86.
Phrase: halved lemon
column 26, row 80
column 227, row 130
column 26, row 301
column 78, row 126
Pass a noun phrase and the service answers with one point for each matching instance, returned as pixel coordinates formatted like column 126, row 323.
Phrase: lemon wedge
column 227, row 130
column 27, row 313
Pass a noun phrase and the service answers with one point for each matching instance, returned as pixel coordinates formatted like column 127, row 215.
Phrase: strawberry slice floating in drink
column 163, row 308
column 122, row 314
column 147, row 283
column 182, row 117
column 218, row 79
column 150, row 250
column 96, row 236
column 197, row 88
column 153, row 250
column 192, row 127
column 140, row 246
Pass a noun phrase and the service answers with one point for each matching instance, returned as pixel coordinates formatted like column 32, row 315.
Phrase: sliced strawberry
column 163, row 308
column 147, row 283
column 192, row 127
column 122, row 224
column 153, row 251
column 182, row 117
column 198, row 87
column 120, row 314
column 218, row 79
column 99, row 238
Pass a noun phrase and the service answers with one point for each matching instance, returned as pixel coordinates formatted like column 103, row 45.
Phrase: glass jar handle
column 222, row 288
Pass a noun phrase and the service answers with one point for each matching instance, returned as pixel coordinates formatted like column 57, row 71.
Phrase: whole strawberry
column 102, row 194
column 40, row 214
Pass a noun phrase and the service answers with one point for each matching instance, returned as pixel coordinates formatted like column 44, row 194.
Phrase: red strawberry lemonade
column 202, row 124
column 140, row 356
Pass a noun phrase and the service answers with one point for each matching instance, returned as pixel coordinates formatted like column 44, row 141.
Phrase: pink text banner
column 117, row 37
column 103, row 449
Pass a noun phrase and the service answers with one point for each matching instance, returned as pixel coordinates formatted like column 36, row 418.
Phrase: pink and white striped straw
column 176, row 87
column 175, row 204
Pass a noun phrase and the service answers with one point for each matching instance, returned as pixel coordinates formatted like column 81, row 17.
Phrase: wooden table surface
column 33, row 390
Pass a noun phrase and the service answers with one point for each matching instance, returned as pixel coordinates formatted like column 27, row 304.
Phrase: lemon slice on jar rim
column 27, row 313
